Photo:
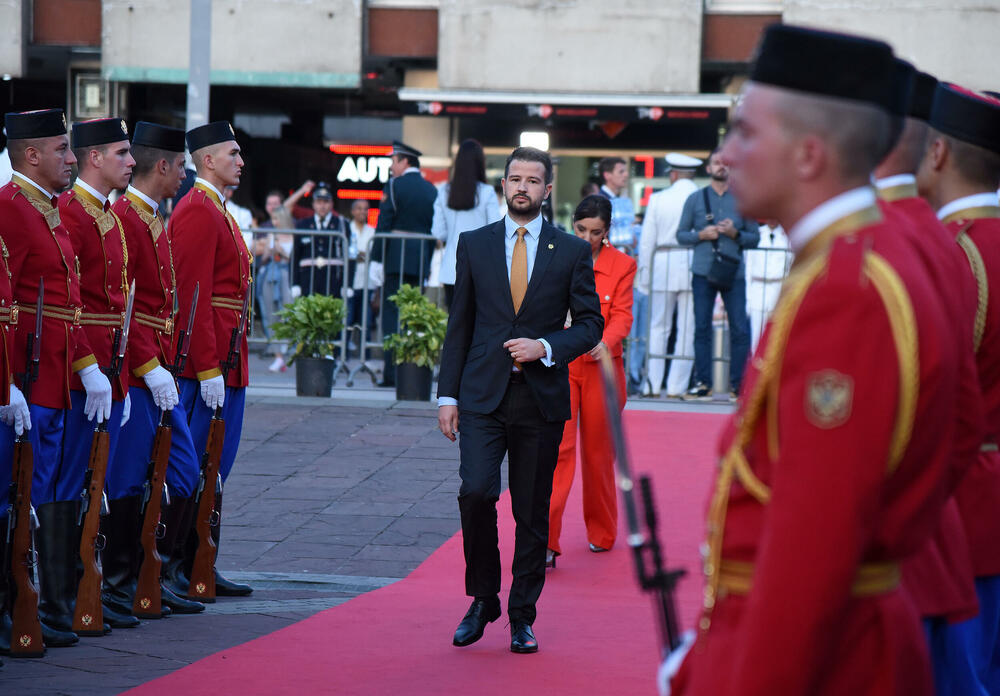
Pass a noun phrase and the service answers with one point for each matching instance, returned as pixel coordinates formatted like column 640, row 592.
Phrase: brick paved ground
column 329, row 498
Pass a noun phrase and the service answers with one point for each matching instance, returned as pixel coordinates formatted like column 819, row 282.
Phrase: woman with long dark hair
column 465, row 203
column 613, row 276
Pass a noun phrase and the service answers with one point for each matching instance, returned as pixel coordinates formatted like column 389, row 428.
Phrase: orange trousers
column 597, row 459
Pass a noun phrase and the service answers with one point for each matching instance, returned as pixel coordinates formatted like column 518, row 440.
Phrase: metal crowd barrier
column 765, row 267
column 392, row 261
column 306, row 267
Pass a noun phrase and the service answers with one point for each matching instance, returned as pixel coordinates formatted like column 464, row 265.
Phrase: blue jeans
column 735, row 300
column 640, row 325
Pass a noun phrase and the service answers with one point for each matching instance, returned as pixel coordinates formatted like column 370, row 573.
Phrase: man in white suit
column 671, row 278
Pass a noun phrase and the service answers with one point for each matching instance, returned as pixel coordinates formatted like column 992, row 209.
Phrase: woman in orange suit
column 613, row 275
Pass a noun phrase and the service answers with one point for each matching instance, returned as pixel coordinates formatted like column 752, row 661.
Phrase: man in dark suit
column 407, row 206
column 319, row 259
column 504, row 368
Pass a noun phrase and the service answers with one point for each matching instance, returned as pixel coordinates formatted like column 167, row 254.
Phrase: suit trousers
column 597, row 458
column 518, row 429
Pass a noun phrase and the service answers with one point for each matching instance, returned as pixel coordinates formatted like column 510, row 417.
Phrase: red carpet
column 595, row 628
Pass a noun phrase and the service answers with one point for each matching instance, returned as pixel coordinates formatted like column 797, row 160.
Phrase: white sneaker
column 278, row 365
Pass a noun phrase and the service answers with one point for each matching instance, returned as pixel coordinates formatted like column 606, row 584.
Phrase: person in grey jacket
column 719, row 226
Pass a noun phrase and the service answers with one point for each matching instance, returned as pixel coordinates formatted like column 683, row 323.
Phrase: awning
column 546, row 106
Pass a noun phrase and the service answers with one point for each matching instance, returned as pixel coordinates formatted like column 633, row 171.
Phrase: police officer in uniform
column 407, row 206
column 319, row 259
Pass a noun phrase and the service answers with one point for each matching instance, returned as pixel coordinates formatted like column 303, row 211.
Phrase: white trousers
column 661, row 310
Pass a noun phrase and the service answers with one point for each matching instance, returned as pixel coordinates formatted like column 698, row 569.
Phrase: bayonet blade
column 36, row 350
column 243, row 319
column 129, row 306
column 177, row 306
column 190, row 327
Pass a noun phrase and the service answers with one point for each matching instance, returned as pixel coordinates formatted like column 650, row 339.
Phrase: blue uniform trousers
column 130, row 470
column 77, row 439
column 200, row 415
column 966, row 655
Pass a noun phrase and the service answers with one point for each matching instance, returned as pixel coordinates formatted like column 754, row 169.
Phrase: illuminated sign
column 364, row 170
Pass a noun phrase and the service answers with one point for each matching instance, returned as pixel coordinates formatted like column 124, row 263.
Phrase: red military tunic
column 978, row 231
column 834, row 468
column 153, row 265
column 99, row 243
column 939, row 577
column 209, row 250
column 40, row 247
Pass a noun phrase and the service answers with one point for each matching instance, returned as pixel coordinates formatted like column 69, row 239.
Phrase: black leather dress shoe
column 228, row 588
column 118, row 620
column 522, row 638
column 472, row 626
column 179, row 605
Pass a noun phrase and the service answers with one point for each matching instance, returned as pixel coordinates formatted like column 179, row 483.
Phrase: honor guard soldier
column 958, row 176
column 939, row 577
column 319, row 259
column 158, row 173
column 835, row 466
column 407, row 206
column 40, row 248
column 209, row 252
column 102, row 151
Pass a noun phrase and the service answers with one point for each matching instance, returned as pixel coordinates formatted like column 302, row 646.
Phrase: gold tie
column 519, row 270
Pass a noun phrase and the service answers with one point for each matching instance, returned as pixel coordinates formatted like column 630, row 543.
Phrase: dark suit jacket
column 407, row 206
column 475, row 367
column 312, row 278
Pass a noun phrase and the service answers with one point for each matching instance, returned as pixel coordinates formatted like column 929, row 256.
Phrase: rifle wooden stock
column 202, row 584
column 88, row 617
column 26, row 633
column 147, row 603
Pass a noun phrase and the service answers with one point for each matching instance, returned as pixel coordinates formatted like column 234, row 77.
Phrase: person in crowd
column 836, row 464
column 242, row 216
column 589, row 188
column 271, row 251
column 711, row 222
column 613, row 172
column 613, row 276
column 667, row 275
column 367, row 273
column 465, row 202
column 767, row 266
column 407, row 206
column 504, row 374
column 320, row 258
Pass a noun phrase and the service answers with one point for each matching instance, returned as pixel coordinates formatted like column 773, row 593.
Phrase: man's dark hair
column 17, row 147
column 410, row 160
column 469, row 171
column 274, row 192
column 974, row 164
column 607, row 165
column 530, row 154
column 589, row 187
column 82, row 154
column 594, row 205
column 146, row 158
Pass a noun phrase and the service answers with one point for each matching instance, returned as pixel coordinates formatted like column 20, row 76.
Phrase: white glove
column 127, row 410
column 161, row 385
column 16, row 411
column 672, row 664
column 213, row 392
column 98, row 393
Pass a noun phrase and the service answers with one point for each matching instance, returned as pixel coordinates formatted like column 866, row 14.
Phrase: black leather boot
column 177, row 519
column 57, row 556
column 120, row 560
column 5, row 595
column 224, row 587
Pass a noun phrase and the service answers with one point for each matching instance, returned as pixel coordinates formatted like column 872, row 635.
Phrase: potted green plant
column 417, row 345
column 313, row 325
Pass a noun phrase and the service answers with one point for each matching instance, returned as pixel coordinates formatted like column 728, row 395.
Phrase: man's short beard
column 534, row 211
column 718, row 177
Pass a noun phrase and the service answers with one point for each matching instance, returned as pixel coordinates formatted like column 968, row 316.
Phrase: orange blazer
column 613, row 276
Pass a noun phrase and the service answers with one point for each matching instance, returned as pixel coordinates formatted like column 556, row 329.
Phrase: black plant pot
column 413, row 382
column 313, row 376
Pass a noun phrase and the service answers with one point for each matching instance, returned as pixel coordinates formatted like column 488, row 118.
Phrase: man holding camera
column 711, row 223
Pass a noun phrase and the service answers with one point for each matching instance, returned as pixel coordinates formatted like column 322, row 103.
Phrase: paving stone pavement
column 329, row 498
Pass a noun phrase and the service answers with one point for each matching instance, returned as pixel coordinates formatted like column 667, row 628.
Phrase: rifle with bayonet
column 88, row 616
column 26, row 632
column 202, row 584
column 660, row 581
column 147, row 602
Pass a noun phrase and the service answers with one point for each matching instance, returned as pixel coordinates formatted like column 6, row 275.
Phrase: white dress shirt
column 27, row 180
column 827, row 213
column 976, row 200
column 210, row 187
column 133, row 191
column 101, row 198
